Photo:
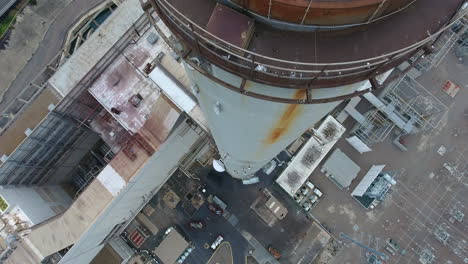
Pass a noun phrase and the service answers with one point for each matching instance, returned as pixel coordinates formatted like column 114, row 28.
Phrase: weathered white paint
column 296, row 174
column 358, row 145
column 153, row 174
column 172, row 90
column 111, row 179
column 244, row 123
column 78, row 65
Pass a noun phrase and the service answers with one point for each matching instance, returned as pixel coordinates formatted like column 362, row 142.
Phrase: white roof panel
column 370, row 176
column 172, row 90
column 308, row 158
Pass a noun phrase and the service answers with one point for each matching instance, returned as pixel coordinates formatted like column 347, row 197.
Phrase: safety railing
column 271, row 70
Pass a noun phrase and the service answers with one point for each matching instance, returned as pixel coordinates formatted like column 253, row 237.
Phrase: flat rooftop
column 129, row 94
column 66, row 229
column 96, row 46
column 341, row 169
column 30, row 118
column 310, row 155
column 134, row 135
column 121, row 83
column 171, row 248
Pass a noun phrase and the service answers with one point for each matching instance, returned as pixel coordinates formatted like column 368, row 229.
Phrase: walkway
column 49, row 46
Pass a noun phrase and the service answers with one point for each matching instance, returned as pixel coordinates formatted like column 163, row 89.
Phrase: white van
column 318, row 192
column 310, row 185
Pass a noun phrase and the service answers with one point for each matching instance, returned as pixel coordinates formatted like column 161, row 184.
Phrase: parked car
column 318, row 192
column 215, row 209
column 275, row 253
column 310, row 185
column 196, row 224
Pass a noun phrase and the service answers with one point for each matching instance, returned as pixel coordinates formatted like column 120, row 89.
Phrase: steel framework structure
column 375, row 128
column 41, row 152
column 456, row 38
column 413, row 102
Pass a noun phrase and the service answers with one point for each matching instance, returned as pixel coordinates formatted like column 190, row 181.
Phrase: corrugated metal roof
column 172, row 90
column 370, row 176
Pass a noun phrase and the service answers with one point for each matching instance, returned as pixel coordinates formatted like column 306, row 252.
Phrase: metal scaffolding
column 456, row 37
column 90, row 166
column 375, row 127
column 404, row 103
column 414, row 103
column 461, row 45
column 40, row 152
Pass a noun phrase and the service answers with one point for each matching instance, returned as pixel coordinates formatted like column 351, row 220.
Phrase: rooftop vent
column 293, row 178
column 135, row 100
column 116, row 111
column 311, row 155
column 152, row 38
column 329, row 132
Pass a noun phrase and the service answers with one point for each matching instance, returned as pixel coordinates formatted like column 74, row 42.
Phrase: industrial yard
column 232, row 132
column 426, row 194
column 420, row 214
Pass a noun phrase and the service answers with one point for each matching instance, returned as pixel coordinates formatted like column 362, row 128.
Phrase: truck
column 217, row 242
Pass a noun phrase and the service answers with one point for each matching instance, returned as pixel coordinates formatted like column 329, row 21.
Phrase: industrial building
column 373, row 188
column 95, row 140
column 102, row 129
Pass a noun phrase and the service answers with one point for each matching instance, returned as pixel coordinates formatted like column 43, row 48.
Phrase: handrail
column 190, row 24
column 331, row 26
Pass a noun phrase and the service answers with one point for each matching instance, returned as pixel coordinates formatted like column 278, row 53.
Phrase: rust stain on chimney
column 288, row 117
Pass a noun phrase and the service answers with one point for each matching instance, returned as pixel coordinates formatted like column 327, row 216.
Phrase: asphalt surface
column 284, row 236
column 51, row 44
column 214, row 225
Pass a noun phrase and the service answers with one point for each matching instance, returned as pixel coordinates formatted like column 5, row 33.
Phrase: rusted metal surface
column 243, row 89
column 230, row 26
column 110, row 130
column 317, row 59
column 318, row 12
column 117, row 85
column 287, row 118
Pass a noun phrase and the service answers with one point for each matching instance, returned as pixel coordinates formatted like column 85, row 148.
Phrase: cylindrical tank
column 264, row 71
column 248, row 131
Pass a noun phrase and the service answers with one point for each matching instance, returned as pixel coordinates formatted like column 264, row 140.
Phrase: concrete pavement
column 46, row 29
